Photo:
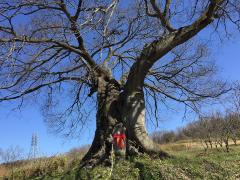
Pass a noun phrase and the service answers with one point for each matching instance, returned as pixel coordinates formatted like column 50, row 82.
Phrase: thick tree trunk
column 138, row 140
column 106, row 119
column 128, row 108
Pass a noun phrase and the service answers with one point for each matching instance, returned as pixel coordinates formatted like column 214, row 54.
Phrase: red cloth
column 119, row 138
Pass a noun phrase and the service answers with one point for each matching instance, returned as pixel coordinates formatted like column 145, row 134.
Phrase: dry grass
column 3, row 172
column 49, row 166
column 187, row 145
column 182, row 146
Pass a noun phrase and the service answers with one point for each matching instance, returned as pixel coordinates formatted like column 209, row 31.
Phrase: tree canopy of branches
column 132, row 55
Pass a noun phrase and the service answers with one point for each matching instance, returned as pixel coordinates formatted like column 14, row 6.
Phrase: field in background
column 189, row 161
column 190, row 145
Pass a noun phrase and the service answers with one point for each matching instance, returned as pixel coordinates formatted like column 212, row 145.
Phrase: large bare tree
column 134, row 55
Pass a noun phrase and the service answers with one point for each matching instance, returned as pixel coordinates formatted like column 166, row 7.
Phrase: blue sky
column 17, row 127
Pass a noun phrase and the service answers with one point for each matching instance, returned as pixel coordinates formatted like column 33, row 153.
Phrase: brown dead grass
column 186, row 145
column 3, row 172
column 181, row 146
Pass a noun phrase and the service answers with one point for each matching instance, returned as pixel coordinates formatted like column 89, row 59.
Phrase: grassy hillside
column 189, row 161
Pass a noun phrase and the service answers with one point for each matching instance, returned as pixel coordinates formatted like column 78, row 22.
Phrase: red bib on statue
column 119, row 139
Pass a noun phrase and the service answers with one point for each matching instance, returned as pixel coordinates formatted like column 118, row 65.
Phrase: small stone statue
column 119, row 140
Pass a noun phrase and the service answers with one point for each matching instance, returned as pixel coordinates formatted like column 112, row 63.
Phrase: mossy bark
column 106, row 119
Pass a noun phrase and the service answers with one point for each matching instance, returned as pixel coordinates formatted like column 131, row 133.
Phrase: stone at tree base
column 119, row 141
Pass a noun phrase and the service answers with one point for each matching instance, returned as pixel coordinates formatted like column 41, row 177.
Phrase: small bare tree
column 217, row 130
column 164, row 137
column 10, row 156
column 233, row 121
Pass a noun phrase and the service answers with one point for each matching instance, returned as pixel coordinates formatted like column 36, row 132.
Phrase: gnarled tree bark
column 107, row 117
column 137, row 136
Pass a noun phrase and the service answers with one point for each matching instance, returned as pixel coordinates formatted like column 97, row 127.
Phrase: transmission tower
column 34, row 151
